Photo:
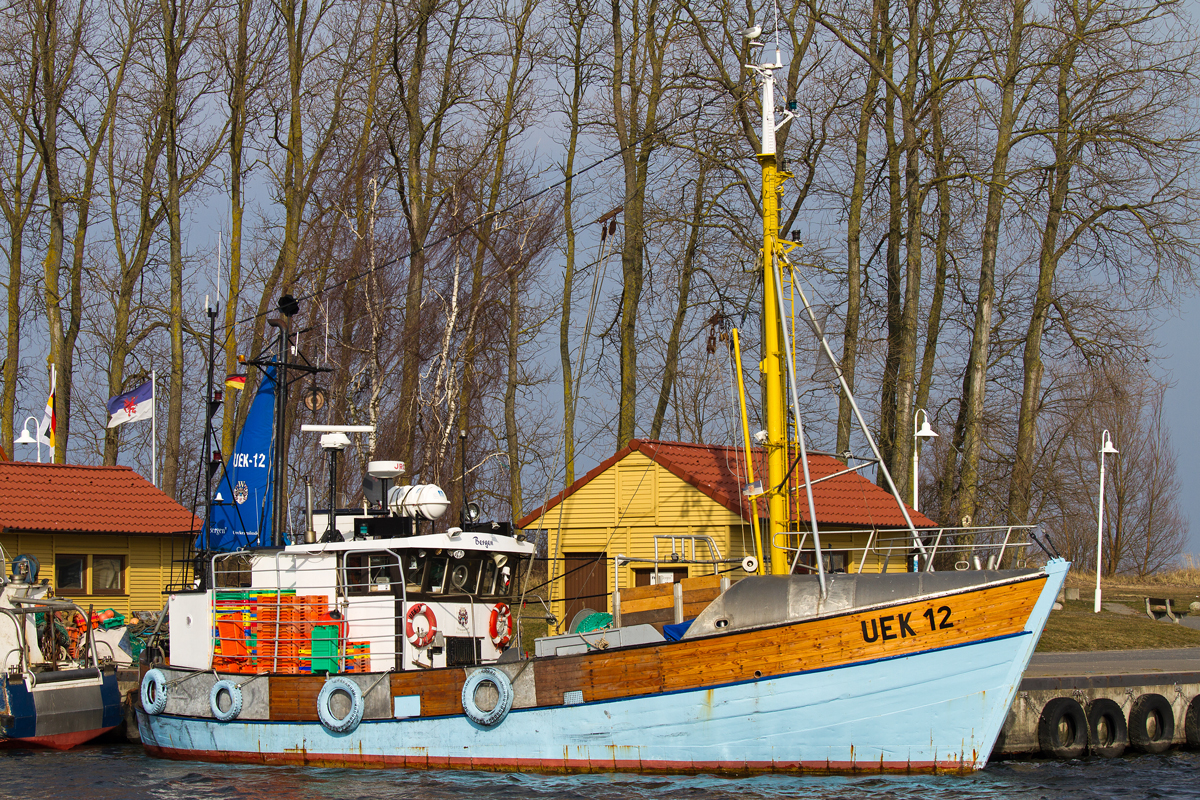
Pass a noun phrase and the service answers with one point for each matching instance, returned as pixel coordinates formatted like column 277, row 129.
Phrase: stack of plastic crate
column 267, row 628
column 291, row 634
column 234, row 643
column 313, row 609
column 358, row 657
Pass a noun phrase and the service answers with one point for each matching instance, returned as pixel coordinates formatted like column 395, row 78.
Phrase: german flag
column 235, row 382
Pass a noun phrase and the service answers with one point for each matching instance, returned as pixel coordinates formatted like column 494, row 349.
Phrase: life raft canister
column 500, row 625
column 416, row 637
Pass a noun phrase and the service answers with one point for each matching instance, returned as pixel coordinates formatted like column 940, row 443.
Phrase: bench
column 1159, row 607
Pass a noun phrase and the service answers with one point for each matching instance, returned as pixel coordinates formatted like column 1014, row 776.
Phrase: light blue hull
column 934, row 710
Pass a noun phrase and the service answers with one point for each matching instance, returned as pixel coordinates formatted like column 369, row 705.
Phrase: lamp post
column 27, row 438
column 924, row 432
column 1106, row 448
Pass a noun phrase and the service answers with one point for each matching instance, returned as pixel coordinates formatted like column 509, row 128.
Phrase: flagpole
column 153, row 430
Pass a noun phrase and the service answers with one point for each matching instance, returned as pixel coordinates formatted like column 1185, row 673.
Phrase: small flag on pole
column 236, row 382
column 132, row 406
column 49, row 424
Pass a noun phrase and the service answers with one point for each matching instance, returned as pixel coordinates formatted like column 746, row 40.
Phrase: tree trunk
column 975, row 379
column 17, row 200
column 577, row 20
column 131, row 260
column 849, row 360
column 172, row 37
column 637, row 90
column 1021, row 482
column 888, row 422
column 686, row 268
column 513, row 378
column 237, row 98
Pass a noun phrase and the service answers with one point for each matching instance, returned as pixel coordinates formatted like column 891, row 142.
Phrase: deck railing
column 987, row 547
column 298, row 614
column 297, row 622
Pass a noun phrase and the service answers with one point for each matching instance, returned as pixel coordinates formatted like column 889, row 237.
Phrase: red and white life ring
column 416, row 637
column 500, row 625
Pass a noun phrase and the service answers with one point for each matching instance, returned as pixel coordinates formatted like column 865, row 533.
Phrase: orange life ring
column 417, row 638
column 500, row 625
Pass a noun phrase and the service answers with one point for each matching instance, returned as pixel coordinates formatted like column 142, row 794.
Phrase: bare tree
column 21, row 173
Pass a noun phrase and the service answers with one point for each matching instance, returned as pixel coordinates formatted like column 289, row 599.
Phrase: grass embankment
column 1076, row 628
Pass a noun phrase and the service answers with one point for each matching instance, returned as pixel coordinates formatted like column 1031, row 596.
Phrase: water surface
column 125, row 772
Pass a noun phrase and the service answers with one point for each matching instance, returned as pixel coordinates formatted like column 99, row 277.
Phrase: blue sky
column 1180, row 336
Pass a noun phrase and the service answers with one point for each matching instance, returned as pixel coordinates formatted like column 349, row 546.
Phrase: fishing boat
column 389, row 641
column 52, row 697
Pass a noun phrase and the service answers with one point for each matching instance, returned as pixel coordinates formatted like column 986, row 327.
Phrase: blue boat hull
column 61, row 709
column 939, row 709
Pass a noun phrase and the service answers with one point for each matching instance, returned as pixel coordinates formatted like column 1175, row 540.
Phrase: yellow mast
column 777, row 364
column 772, row 341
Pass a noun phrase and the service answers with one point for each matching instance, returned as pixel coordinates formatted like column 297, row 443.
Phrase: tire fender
column 1107, row 711
column 331, row 722
column 235, row 700
column 1191, row 723
column 1051, row 739
column 154, row 691
column 1146, row 708
column 497, row 678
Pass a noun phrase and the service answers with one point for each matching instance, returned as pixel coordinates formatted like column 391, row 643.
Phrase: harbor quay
column 1103, row 703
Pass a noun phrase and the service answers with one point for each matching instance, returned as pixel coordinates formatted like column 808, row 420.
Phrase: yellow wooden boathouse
column 683, row 496
column 104, row 536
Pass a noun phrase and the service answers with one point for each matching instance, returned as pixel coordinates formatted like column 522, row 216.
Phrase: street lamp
column 1106, row 449
column 924, row 432
column 26, row 438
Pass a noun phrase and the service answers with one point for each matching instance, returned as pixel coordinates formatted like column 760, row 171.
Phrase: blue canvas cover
column 242, row 517
column 675, row 632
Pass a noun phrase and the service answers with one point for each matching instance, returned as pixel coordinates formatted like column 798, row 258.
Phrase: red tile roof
column 65, row 498
column 719, row 471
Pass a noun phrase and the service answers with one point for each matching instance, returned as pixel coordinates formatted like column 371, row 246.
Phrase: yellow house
column 103, row 536
column 687, row 499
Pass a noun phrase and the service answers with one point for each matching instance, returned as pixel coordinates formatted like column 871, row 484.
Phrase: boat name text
column 900, row 626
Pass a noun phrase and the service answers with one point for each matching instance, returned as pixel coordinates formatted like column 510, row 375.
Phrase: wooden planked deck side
column 902, row 629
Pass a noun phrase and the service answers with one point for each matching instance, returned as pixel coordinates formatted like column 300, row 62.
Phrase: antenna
column 778, row 61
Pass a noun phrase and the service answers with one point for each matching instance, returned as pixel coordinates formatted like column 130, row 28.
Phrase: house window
column 70, row 574
column 836, row 561
column 108, row 574
column 645, row 577
column 95, row 575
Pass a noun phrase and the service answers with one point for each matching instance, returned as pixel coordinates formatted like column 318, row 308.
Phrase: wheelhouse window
column 487, row 581
column 70, row 574
column 455, row 572
column 414, row 571
column 464, row 576
column 370, row 573
column 437, row 575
